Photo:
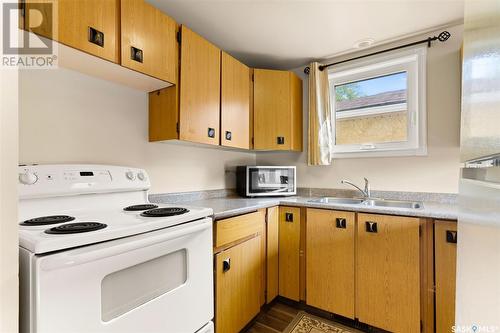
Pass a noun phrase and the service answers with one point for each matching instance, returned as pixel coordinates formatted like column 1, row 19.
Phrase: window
column 379, row 106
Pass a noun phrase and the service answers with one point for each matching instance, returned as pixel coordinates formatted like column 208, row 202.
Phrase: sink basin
column 341, row 201
column 394, row 204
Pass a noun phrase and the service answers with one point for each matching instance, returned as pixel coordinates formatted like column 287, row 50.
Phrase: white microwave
column 259, row 181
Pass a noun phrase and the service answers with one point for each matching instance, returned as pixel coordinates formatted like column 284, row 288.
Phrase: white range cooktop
column 89, row 194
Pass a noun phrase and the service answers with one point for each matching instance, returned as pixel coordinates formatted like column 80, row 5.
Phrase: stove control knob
column 130, row 175
column 141, row 176
column 28, row 178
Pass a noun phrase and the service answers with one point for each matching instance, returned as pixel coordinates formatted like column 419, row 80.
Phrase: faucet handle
column 367, row 187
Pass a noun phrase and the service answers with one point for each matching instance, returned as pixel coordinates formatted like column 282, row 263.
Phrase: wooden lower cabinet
column 237, row 283
column 289, row 252
column 445, row 247
column 330, row 260
column 388, row 272
column 272, row 250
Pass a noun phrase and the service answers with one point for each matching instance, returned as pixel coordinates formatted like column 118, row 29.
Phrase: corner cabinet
column 330, row 260
column 92, row 26
column 388, row 272
column 148, row 40
column 277, row 110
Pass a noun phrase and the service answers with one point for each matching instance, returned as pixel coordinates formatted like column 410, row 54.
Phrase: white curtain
column 320, row 117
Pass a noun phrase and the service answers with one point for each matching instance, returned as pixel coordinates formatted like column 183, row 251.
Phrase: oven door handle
column 116, row 247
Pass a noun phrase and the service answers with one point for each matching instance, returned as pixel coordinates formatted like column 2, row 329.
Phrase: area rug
column 307, row 323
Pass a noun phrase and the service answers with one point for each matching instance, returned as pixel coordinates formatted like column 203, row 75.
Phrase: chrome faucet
column 366, row 192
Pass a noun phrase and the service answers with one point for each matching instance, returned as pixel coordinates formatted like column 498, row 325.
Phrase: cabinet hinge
column 177, row 127
column 179, row 36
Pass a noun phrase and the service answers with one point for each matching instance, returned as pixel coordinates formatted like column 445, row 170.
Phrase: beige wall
column 436, row 172
column 8, row 202
column 67, row 117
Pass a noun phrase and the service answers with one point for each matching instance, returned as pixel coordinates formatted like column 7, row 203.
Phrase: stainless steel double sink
column 370, row 202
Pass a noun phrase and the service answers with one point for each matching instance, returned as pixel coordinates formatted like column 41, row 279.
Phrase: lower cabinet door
column 237, row 283
column 388, row 272
column 289, row 252
column 445, row 247
column 330, row 261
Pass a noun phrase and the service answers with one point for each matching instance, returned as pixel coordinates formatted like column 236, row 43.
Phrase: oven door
column 159, row 281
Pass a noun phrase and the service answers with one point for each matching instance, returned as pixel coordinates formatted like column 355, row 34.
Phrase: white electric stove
column 96, row 256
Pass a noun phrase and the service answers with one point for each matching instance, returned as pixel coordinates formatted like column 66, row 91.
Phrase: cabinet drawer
column 235, row 228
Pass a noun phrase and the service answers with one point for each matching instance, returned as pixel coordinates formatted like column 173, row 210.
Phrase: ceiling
column 289, row 33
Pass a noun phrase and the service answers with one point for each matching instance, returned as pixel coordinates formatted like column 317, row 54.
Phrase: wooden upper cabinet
column 235, row 103
column 388, row 272
column 91, row 26
column 199, row 89
column 445, row 245
column 148, row 40
column 277, row 110
column 330, row 260
column 289, row 252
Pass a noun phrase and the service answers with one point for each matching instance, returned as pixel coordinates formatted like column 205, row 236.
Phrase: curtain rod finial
column 307, row 70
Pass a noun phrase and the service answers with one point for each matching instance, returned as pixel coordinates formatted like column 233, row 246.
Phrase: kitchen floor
column 276, row 317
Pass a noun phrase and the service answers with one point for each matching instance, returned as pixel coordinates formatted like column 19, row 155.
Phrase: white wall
column 8, row 202
column 67, row 117
column 437, row 172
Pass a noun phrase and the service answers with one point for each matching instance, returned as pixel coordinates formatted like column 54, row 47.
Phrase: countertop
column 232, row 206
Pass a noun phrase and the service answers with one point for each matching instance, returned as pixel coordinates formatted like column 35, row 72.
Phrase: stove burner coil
column 74, row 228
column 135, row 208
column 45, row 220
column 163, row 212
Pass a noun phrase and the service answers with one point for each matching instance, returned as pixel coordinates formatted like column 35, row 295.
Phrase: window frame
column 413, row 62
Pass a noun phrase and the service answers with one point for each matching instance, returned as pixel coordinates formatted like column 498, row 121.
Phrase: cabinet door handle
column 96, row 37
column 280, row 140
column 371, row 226
column 288, row 217
column 229, row 135
column 211, row 132
column 451, row 236
column 136, row 54
column 226, row 265
column 341, row 223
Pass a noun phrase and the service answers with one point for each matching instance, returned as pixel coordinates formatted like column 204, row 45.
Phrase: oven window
column 125, row 290
column 271, row 180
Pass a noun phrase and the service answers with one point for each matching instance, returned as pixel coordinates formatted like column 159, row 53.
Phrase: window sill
column 422, row 151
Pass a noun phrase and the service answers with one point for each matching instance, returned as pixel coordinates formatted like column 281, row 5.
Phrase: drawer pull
column 211, row 132
column 371, row 227
column 280, row 140
column 226, row 265
column 96, row 37
column 341, row 223
column 451, row 236
column 288, row 217
column 229, row 135
column 136, row 54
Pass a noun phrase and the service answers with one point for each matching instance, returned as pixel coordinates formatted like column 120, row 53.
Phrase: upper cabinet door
column 235, row 103
column 148, row 41
column 91, row 26
column 199, row 102
column 277, row 110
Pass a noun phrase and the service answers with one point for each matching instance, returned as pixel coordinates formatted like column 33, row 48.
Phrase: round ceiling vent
column 364, row 43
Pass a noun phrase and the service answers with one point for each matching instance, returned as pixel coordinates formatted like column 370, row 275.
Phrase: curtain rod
column 442, row 37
